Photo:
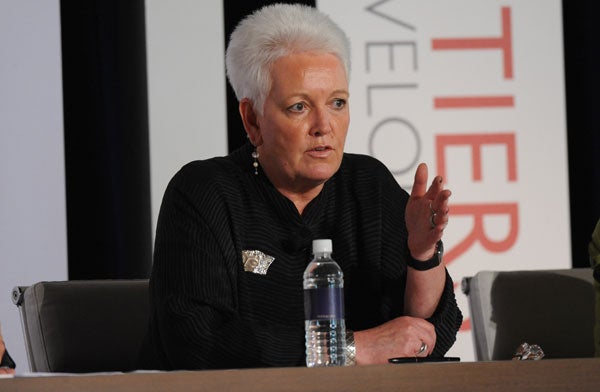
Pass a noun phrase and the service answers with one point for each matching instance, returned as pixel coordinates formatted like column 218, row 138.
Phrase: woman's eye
column 339, row 103
column 297, row 107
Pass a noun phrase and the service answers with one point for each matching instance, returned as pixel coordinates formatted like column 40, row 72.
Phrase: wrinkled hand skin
column 422, row 238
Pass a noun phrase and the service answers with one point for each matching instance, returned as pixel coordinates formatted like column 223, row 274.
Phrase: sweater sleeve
column 447, row 319
column 196, row 323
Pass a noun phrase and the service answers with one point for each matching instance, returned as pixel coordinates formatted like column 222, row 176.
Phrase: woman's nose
column 321, row 123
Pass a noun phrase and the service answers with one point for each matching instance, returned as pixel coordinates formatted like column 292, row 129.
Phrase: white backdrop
column 33, row 233
column 186, row 87
column 474, row 88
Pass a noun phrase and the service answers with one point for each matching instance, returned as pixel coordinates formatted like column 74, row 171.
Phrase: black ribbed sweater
column 207, row 312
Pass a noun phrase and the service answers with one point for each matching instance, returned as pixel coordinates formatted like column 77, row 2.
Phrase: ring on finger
column 432, row 216
column 422, row 349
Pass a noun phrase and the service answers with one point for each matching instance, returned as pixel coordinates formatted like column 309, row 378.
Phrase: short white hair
column 272, row 32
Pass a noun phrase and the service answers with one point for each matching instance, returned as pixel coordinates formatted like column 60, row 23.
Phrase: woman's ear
column 250, row 121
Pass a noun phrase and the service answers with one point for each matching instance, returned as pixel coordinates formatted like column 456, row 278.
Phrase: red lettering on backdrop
column 476, row 141
column 478, row 212
column 485, row 101
column 504, row 43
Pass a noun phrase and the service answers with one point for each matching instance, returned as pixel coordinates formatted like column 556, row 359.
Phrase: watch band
column 433, row 262
column 350, row 348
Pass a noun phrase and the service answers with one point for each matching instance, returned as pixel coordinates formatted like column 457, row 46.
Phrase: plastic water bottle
column 324, row 308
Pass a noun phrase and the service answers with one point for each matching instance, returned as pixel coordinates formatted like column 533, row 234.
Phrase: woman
column 234, row 233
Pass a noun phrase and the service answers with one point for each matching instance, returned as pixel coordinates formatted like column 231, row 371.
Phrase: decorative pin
column 256, row 261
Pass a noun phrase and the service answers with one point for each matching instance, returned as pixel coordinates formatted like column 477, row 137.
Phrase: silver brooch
column 256, row 261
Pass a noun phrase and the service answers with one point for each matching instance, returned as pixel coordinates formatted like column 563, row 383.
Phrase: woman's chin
column 320, row 176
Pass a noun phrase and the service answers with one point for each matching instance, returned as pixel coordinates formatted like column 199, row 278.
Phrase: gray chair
column 551, row 308
column 83, row 326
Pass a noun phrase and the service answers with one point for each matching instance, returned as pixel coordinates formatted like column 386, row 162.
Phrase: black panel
column 106, row 139
column 582, row 69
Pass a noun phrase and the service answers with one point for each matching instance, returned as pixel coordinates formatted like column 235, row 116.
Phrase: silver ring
column 422, row 349
column 432, row 216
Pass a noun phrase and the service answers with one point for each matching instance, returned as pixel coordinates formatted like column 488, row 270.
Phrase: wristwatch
column 350, row 348
column 433, row 262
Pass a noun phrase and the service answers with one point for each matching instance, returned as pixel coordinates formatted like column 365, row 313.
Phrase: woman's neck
column 301, row 199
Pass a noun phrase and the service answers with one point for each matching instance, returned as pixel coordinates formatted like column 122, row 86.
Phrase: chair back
column 83, row 326
column 551, row 308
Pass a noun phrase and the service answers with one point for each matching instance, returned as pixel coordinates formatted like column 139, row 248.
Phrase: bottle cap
column 320, row 246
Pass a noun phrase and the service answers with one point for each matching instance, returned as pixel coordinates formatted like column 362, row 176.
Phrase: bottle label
column 324, row 303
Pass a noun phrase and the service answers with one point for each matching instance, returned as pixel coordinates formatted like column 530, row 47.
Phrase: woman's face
column 302, row 130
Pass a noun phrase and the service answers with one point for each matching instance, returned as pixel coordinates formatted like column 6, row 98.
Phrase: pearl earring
column 255, row 155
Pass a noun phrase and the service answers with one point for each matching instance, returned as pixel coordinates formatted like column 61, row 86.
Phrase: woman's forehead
column 309, row 71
